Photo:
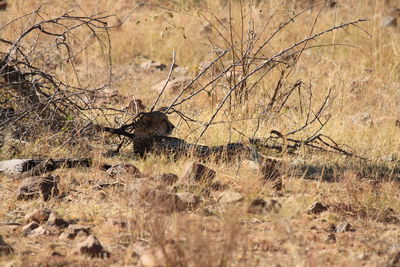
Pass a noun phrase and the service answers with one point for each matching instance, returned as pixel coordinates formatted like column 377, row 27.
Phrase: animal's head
column 153, row 123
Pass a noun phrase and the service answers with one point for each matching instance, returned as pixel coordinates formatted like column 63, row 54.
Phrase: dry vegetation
column 357, row 66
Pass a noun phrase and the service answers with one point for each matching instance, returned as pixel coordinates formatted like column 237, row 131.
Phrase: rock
column 138, row 187
column 196, row 172
column 229, row 197
column 92, row 248
column 168, row 178
column 362, row 118
column 388, row 21
column 317, row 208
column 123, row 169
column 38, row 215
column 217, row 186
column 55, row 220
column 168, row 255
column 39, row 231
column 75, row 229
column 173, row 86
column 35, row 186
column 343, row 227
column 14, row 166
column 40, row 166
column 270, row 172
column 180, row 71
column 3, row 5
column 190, row 200
column 397, row 123
column 152, row 65
column 27, row 229
column 164, row 201
column 262, row 207
column 394, row 260
column 5, row 249
column 331, row 238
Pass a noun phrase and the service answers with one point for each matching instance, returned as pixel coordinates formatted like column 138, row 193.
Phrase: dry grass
column 364, row 80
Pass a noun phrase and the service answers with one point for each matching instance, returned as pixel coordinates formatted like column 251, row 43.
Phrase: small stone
column 261, row 207
column 39, row 231
column 196, row 172
column 343, row 227
column 92, row 248
column 230, row 197
column 35, row 186
column 191, row 200
column 331, row 238
column 27, row 229
column 75, row 229
column 152, row 65
column 317, row 208
column 394, row 260
column 38, row 215
column 67, row 235
column 164, row 201
column 389, row 21
column 397, row 123
column 217, row 186
column 123, row 169
column 168, row 178
column 55, row 220
column 5, row 249
column 173, row 86
column 3, row 5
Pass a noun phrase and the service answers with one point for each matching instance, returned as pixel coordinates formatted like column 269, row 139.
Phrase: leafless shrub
column 43, row 83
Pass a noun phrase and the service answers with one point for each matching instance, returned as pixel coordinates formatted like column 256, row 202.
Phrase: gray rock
column 389, row 21
column 38, row 215
column 33, row 187
column 164, row 201
column 55, row 220
column 152, row 65
column 27, row 229
column 92, row 247
column 229, row 197
column 394, row 260
column 168, row 178
column 173, row 86
column 196, row 172
column 5, row 249
column 39, row 231
column 192, row 201
column 74, row 230
column 14, row 166
column 343, row 227
column 40, row 166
